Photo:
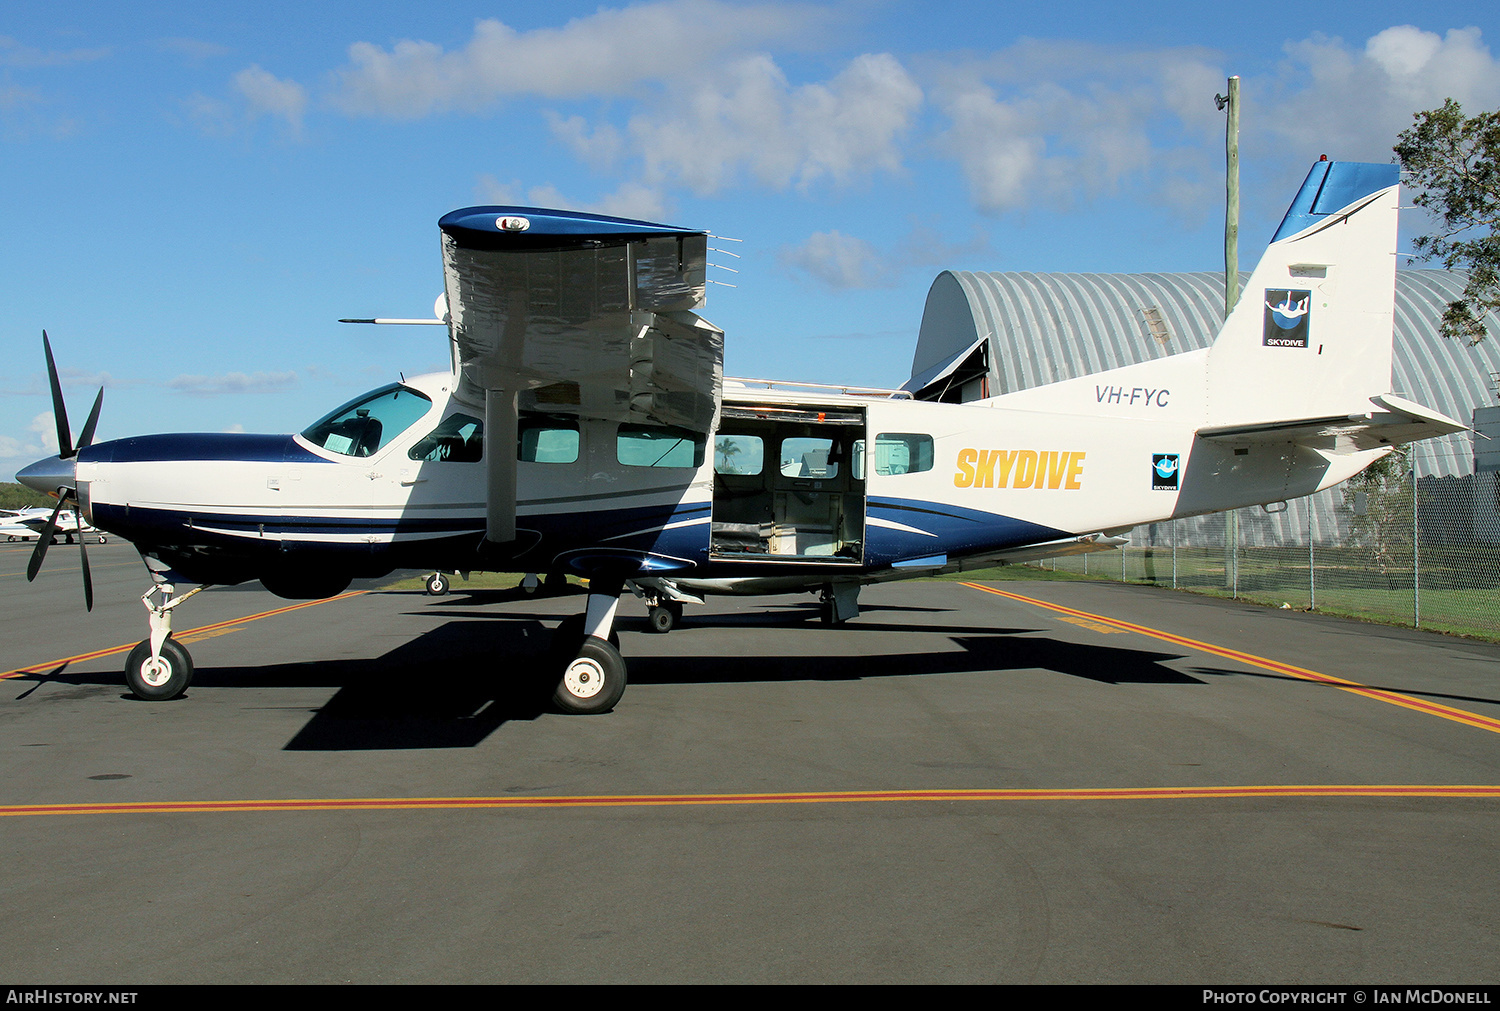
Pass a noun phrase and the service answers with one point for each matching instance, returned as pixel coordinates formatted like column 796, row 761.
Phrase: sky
column 191, row 195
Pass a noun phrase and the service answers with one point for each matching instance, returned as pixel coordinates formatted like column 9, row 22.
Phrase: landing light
column 512, row 224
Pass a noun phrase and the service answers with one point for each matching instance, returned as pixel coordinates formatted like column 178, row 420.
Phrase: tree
column 1378, row 502
column 1454, row 166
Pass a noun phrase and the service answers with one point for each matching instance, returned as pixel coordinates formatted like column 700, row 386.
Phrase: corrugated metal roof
column 1044, row 328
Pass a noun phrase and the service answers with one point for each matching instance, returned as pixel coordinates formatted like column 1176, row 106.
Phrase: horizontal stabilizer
column 1398, row 421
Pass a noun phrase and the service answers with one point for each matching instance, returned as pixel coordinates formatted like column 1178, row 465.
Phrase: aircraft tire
column 661, row 619
column 437, row 584
column 168, row 680
column 593, row 681
column 555, row 583
column 103, row 539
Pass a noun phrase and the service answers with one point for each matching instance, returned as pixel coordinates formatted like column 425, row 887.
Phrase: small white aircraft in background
column 585, row 427
column 26, row 525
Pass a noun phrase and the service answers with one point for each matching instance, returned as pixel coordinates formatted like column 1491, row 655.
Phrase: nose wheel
column 162, row 677
column 159, row 668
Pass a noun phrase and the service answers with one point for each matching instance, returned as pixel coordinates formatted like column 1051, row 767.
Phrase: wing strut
column 500, row 435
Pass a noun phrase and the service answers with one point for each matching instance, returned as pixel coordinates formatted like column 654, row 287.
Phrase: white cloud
column 841, row 261
column 749, row 119
column 267, row 94
column 13, row 96
column 610, row 52
column 630, row 200
column 1049, row 122
column 40, row 440
column 1351, row 103
column 15, row 54
column 1053, row 122
column 44, row 429
column 233, row 382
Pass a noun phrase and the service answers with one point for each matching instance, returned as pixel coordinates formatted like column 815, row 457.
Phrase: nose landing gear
column 159, row 668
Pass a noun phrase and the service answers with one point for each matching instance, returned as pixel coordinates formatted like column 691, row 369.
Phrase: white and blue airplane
column 27, row 524
column 585, row 427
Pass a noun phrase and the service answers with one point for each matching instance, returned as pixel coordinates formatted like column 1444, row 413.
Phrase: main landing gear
column 159, row 668
column 585, row 659
column 437, row 584
column 664, row 600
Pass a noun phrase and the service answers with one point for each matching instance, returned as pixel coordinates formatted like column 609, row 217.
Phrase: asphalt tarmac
column 1095, row 783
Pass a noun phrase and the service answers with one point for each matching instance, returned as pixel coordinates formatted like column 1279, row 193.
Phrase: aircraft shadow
column 453, row 686
column 996, row 652
column 1225, row 672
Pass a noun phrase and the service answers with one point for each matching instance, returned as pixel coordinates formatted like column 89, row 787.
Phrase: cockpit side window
column 459, row 439
column 365, row 424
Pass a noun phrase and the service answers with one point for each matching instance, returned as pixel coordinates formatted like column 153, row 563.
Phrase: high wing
column 571, row 313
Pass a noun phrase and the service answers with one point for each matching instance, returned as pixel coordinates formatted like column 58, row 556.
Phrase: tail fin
column 1311, row 335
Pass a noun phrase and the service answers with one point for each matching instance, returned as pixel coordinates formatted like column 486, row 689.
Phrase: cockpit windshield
column 365, row 424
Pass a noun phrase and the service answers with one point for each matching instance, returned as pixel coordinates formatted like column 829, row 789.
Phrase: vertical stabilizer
column 1311, row 335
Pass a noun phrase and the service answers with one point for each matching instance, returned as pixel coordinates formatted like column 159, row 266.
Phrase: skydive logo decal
column 1164, row 469
column 1286, row 318
column 1018, row 468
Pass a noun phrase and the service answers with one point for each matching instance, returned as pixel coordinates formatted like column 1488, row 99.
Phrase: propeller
column 66, row 451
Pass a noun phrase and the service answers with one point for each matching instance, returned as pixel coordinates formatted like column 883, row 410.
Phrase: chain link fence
column 1405, row 543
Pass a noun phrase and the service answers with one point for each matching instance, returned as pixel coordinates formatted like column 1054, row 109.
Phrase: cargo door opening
column 789, row 485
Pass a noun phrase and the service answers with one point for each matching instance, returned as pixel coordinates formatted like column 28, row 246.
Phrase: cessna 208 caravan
column 585, row 427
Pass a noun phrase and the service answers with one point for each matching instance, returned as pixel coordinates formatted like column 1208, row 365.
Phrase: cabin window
column 545, row 439
column 739, row 454
column 364, row 425
column 810, row 458
column 659, row 446
column 459, row 439
column 902, row 453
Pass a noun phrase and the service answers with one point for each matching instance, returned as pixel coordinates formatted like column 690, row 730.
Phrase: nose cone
column 49, row 475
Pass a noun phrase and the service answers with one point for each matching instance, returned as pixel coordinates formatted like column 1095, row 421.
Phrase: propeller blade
column 88, row 580
column 59, row 410
column 45, row 541
column 87, row 437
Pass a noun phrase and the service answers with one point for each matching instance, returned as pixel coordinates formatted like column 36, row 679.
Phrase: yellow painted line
column 1093, row 626
column 1379, row 694
column 1459, row 792
column 202, row 632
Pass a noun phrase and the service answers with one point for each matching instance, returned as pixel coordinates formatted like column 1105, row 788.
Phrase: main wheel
column 437, row 584
column 103, row 539
column 161, row 679
column 593, row 681
column 661, row 619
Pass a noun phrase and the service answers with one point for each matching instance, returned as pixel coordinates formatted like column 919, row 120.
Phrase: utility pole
column 1231, row 101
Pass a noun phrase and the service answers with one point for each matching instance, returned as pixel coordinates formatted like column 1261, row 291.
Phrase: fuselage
column 790, row 488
